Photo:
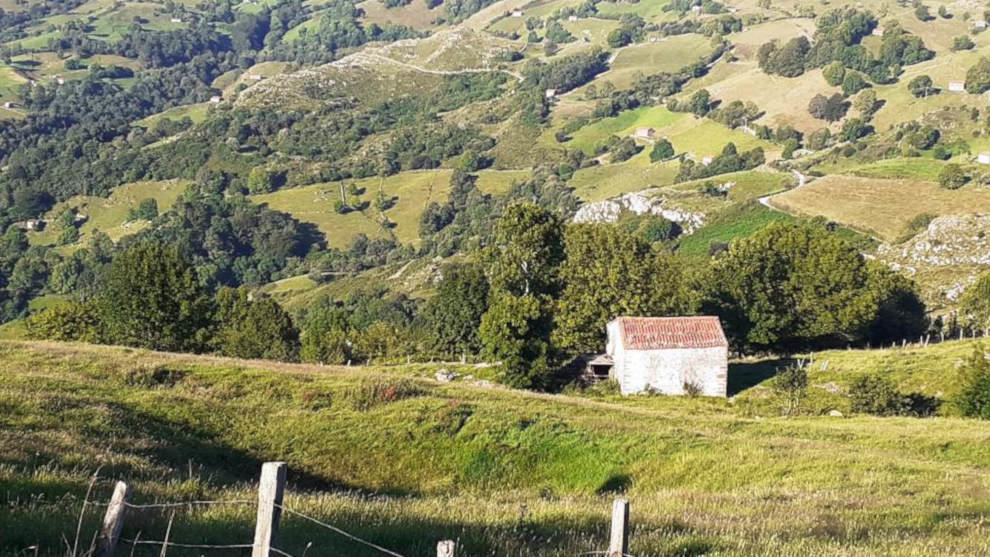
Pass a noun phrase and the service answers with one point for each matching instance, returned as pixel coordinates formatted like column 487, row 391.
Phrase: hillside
column 284, row 101
column 503, row 471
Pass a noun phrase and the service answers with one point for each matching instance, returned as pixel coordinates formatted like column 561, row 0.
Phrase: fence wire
column 333, row 528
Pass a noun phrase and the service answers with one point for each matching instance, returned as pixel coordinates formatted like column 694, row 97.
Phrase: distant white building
column 877, row 31
column 517, row 13
column 215, row 99
column 572, row 18
column 669, row 355
column 707, row 160
column 551, row 93
column 980, row 24
column 255, row 77
column 176, row 20
column 983, row 158
column 957, row 86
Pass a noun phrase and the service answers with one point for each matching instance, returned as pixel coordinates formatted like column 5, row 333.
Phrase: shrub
column 874, row 394
column 791, row 384
column 974, row 398
column 153, row 376
column 692, row 389
column 953, row 177
column 375, row 392
column 879, row 396
column 72, row 321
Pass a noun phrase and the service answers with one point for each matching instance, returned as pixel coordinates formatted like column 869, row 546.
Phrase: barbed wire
column 177, row 504
column 347, row 535
column 188, row 545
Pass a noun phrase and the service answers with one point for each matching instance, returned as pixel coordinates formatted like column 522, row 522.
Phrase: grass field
column 916, row 168
column 736, row 222
column 196, row 112
column 783, row 100
column 668, row 55
column 109, row 215
column 596, row 183
column 413, row 192
column 880, row 206
column 504, row 472
column 415, row 14
column 700, row 137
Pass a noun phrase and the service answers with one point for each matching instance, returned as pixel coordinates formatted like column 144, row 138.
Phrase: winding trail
column 383, row 58
column 765, row 200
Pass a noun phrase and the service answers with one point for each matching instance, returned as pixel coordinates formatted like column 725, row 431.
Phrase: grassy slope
column 880, row 206
column 500, row 470
column 412, row 191
column 109, row 215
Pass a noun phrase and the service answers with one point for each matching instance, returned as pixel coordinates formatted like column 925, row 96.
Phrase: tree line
column 536, row 294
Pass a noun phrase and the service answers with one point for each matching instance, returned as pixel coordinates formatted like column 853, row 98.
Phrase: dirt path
column 381, row 58
column 765, row 200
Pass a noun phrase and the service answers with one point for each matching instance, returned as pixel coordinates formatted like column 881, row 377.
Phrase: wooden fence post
column 271, row 488
column 446, row 548
column 619, row 540
column 113, row 521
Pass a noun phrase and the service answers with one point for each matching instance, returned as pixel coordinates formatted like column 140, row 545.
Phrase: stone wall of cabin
column 666, row 371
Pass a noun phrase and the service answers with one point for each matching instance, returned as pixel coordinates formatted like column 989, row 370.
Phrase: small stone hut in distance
column 670, row 355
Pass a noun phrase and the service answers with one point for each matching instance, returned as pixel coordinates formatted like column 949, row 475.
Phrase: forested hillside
column 351, row 181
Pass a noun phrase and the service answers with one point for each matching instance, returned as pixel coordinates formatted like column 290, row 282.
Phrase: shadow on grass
column 744, row 376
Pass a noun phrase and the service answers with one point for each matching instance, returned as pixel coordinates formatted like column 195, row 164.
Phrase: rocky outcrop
column 638, row 203
column 948, row 241
column 955, row 248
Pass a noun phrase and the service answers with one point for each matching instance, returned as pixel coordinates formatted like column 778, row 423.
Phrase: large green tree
column 791, row 287
column 524, row 260
column 978, row 77
column 610, row 272
column 453, row 315
column 253, row 327
column 151, row 298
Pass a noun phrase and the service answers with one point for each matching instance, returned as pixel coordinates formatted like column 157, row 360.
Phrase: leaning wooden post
column 446, row 548
column 619, row 540
column 271, row 488
column 113, row 521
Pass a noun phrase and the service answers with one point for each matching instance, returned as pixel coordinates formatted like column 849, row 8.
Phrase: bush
column 72, row 321
column 953, row 177
column 376, row 392
column 879, row 396
column 791, row 384
column 874, row 394
column 974, row 398
column 153, row 376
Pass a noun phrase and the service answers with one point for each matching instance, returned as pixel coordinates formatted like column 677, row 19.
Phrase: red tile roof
column 661, row 333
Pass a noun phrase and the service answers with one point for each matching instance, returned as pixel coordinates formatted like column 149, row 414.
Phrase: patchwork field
column 109, row 215
column 597, row 183
column 880, row 206
column 411, row 192
column 195, row 112
column 736, row 222
column 502, row 471
column 415, row 14
column 700, row 137
column 666, row 55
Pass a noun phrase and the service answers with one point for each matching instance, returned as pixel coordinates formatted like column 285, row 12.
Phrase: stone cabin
column 666, row 355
